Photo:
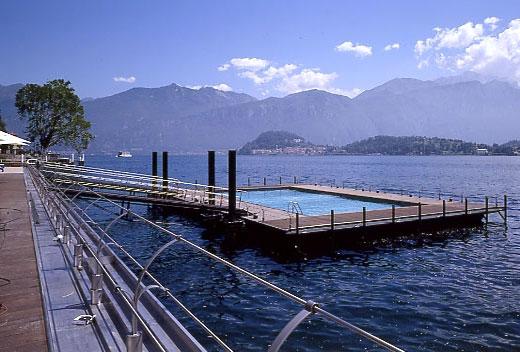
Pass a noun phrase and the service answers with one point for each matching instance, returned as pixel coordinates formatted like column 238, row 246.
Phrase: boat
column 124, row 154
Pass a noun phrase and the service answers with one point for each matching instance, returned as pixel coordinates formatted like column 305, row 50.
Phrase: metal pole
column 364, row 216
column 165, row 171
column 280, row 180
column 154, row 169
column 419, row 206
column 505, row 208
column 332, row 220
column 249, row 181
column 466, row 206
column 393, row 213
column 265, row 181
column 297, row 223
column 232, row 181
column 444, row 208
column 211, row 176
column 294, row 180
column 487, row 209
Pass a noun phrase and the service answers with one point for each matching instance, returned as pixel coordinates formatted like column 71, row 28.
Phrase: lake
column 451, row 291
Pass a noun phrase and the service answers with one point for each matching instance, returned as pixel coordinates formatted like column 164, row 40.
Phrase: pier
column 405, row 213
column 71, row 288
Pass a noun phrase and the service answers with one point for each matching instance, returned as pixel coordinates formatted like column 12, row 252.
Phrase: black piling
column 232, row 182
column 165, row 171
column 154, row 169
column 211, row 176
column 505, row 208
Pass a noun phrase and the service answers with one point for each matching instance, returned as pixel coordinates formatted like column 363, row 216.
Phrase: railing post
column 393, row 213
column 134, row 342
column 66, row 234
column 96, row 288
column 364, row 216
column 466, row 206
column 78, row 256
column 332, row 220
column 443, row 208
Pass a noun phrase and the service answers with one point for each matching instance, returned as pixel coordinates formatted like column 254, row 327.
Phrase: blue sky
column 295, row 45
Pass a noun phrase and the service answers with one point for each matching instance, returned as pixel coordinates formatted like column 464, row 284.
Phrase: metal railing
column 67, row 207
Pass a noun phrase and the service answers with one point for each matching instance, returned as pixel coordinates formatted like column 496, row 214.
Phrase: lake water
column 449, row 291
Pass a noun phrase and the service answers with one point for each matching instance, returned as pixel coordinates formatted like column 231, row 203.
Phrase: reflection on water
column 450, row 291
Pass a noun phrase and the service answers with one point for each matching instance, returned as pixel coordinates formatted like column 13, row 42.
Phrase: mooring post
column 364, row 216
column 466, row 206
column 487, row 209
column 419, row 206
column 393, row 213
column 165, row 171
column 332, row 220
column 211, row 176
column 154, row 169
column 443, row 208
column 297, row 223
column 232, row 182
column 505, row 208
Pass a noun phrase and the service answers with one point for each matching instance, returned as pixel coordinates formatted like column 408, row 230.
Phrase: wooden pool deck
column 411, row 210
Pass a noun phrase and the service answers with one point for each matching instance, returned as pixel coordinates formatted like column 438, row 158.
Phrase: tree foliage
column 54, row 113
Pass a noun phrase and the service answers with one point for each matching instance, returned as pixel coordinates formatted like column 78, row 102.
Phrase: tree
column 2, row 123
column 78, row 136
column 55, row 114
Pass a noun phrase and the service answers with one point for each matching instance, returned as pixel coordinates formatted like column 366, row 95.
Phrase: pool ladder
column 294, row 208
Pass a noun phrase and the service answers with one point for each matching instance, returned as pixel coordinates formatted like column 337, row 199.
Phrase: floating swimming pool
column 310, row 203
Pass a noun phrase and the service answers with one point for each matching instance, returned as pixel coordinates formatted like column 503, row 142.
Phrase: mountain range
column 182, row 119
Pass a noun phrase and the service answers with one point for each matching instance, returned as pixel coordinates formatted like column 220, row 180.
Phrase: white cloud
column 223, row 67
column 485, row 52
column 358, row 49
column 222, row 87
column 492, row 22
column 495, row 55
column 392, row 46
column 286, row 78
column 458, row 37
column 351, row 93
column 130, row 79
column 249, row 63
column 308, row 78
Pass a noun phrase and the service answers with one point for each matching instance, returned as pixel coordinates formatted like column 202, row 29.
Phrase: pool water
column 310, row 203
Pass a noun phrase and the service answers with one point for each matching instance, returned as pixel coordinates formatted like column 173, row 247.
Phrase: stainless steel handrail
column 265, row 283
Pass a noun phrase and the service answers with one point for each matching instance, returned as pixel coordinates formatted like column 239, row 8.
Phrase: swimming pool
column 310, row 203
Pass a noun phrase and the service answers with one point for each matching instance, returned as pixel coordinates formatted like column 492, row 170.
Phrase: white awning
column 6, row 138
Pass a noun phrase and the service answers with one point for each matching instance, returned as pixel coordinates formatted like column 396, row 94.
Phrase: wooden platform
column 22, row 326
column 407, row 210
